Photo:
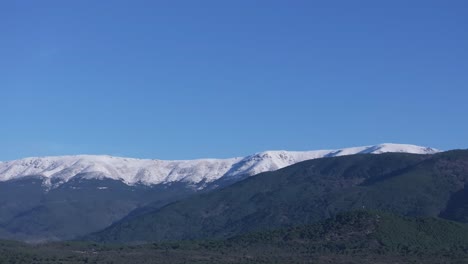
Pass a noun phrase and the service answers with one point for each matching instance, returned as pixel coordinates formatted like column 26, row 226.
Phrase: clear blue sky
column 192, row 79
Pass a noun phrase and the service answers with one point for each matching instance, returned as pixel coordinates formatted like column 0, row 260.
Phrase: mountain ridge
column 60, row 169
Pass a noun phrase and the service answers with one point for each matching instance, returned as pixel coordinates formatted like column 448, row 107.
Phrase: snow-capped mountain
column 60, row 169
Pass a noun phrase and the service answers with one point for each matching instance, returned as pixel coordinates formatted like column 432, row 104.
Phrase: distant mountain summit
column 60, row 169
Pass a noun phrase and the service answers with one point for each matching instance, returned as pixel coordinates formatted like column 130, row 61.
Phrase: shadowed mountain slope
column 413, row 185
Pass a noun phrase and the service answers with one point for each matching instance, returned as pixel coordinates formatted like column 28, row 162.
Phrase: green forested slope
column 352, row 237
column 308, row 192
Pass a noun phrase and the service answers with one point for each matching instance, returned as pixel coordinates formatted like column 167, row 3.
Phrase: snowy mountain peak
column 147, row 171
column 405, row 148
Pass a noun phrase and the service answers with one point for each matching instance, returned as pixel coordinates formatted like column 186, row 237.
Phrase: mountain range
column 58, row 170
column 56, row 198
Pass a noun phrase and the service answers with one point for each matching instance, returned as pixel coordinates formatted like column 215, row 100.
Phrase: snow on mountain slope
column 146, row 171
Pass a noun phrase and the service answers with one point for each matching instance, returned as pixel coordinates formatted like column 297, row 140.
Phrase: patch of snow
column 147, row 171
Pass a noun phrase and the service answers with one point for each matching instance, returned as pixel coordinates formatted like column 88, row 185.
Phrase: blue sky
column 194, row 79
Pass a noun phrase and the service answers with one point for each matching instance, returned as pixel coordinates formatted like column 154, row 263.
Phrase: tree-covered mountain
column 352, row 237
column 29, row 212
column 412, row 185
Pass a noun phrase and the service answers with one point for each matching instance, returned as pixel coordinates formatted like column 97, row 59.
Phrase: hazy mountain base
column 354, row 237
column 424, row 185
column 31, row 212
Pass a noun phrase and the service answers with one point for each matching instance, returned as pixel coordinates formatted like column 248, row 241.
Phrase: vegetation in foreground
column 353, row 237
